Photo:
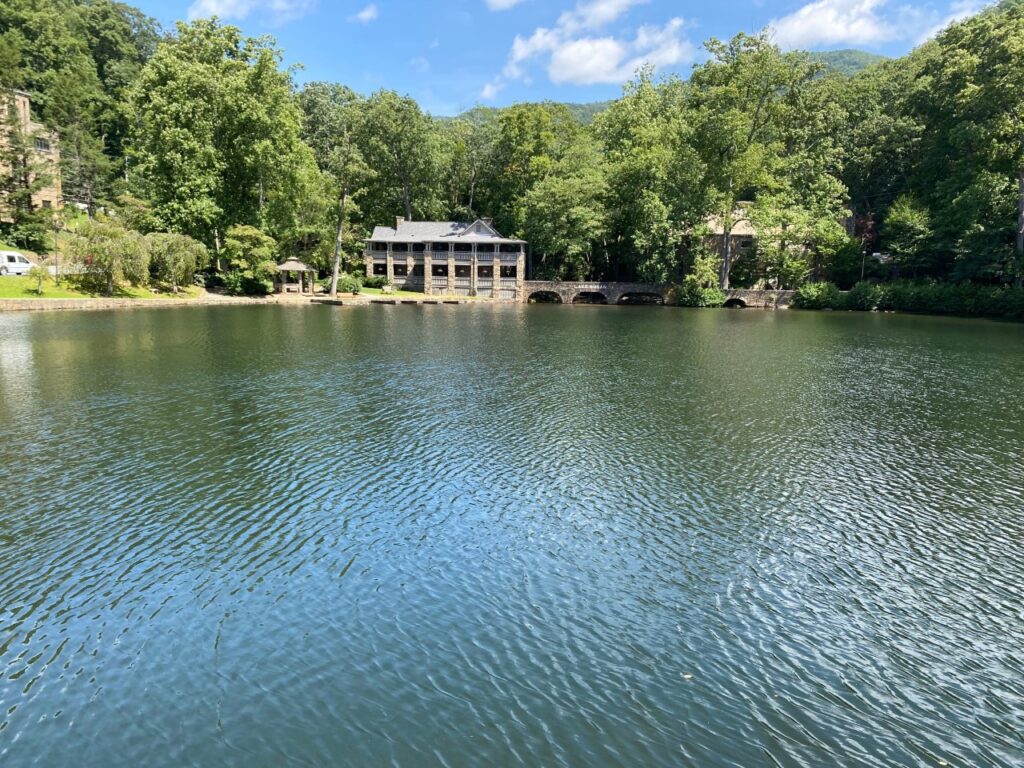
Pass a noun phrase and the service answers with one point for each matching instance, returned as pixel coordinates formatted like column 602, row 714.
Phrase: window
column 509, row 271
column 400, row 270
column 463, row 270
column 12, row 259
column 380, row 269
column 47, row 204
column 22, row 260
column 43, row 145
column 746, row 244
column 439, row 270
column 487, row 272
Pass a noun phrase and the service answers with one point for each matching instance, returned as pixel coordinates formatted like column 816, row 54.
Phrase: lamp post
column 58, row 224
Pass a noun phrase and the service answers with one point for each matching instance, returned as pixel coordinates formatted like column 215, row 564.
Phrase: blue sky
column 455, row 54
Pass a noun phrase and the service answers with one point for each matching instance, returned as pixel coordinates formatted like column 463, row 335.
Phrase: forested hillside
column 201, row 131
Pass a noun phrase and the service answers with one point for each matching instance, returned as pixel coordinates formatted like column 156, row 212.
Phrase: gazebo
column 305, row 277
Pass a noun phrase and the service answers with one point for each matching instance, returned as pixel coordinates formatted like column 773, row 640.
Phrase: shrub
column 237, row 283
column 692, row 294
column 375, row 281
column 863, row 297
column 819, row 296
column 39, row 276
column 346, row 283
column 174, row 259
column 110, row 254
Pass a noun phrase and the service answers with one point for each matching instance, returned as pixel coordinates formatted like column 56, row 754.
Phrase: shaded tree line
column 203, row 132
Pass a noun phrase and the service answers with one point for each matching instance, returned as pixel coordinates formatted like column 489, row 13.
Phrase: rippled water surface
column 467, row 536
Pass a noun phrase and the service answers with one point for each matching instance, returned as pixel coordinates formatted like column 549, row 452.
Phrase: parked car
column 12, row 263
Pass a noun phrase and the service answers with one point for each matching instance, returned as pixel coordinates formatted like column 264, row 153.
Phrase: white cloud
column 958, row 11
column 865, row 22
column 279, row 10
column 365, row 16
column 502, row 5
column 576, row 55
column 491, row 90
column 831, row 22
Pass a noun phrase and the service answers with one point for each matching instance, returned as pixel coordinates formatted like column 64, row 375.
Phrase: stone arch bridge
column 601, row 292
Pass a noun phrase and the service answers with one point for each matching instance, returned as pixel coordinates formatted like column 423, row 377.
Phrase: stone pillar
column 410, row 263
column 391, row 265
column 472, row 273
column 451, row 272
column 428, row 273
column 520, row 275
column 368, row 258
column 496, row 278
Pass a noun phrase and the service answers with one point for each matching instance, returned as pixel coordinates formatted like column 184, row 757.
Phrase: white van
column 12, row 263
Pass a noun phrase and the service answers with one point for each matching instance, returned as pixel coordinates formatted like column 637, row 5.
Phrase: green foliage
column 908, row 233
column 375, row 281
column 250, row 255
column 819, row 296
column 110, row 254
column 700, row 287
column 864, row 297
column 175, row 259
column 347, row 283
column 39, row 277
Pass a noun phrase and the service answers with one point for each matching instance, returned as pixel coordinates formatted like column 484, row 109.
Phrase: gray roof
column 293, row 265
column 438, row 231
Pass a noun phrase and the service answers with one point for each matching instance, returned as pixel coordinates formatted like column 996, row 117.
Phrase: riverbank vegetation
column 200, row 132
column 934, row 298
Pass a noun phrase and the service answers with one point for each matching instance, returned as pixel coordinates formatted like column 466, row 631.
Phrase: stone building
column 448, row 258
column 42, row 141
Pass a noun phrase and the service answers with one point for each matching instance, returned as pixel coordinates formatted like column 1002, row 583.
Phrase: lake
column 495, row 535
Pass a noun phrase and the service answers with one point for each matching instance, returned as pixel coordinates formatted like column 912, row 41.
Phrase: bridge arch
column 589, row 297
column 735, row 303
column 641, row 298
column 544, row 297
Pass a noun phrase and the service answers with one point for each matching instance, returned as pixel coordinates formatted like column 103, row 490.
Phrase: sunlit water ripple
column 467, row 536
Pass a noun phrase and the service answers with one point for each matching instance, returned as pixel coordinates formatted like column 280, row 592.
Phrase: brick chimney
column 399, row 221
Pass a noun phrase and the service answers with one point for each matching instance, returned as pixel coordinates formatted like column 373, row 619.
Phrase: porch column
column 451, row 271
column 472, row 274
column 520, row 274
column 428, row 270
column 368, row 259
column 496, row 275
column 410, row 263
column 391, row 265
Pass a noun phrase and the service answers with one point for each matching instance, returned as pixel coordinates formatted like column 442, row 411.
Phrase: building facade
column 448, row 258
column 42, row 142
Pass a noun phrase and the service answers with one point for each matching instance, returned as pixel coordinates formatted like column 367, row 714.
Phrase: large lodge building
column 42, row 142
column 448, row 258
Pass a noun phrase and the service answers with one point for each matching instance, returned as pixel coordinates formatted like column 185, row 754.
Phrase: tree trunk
column 337, row 245
column 726, row 255
column 1019, row 282
column 407, row 199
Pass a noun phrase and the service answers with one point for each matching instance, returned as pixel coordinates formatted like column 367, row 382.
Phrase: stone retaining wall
column 56, row 305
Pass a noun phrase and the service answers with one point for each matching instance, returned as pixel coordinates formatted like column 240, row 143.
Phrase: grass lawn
column 20, row 287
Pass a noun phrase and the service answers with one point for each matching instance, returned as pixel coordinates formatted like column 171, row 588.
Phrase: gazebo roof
column 293, row 265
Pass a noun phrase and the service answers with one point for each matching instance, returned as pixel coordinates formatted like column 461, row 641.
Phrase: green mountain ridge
column 846, row 62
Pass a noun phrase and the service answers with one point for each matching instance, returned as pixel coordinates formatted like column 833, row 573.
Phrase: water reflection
column 480, row 535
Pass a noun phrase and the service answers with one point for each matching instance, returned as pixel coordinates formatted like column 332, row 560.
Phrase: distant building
column 448, row 258
column 44, row 143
